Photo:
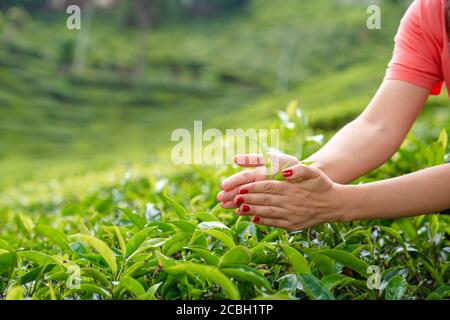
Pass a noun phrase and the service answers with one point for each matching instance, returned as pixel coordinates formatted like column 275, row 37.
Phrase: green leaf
column 148, row 244
column 434, row 273
column 137, row 220
column 204, row 216
column 120, row 240
column 276, row 296
column 395, row 288
column 96, row 275
column 221, row 236
column 434, row 224
column 433, row 296
column 164, row 261
column 101, row 247
column 35, row 274
column 57, row 276
column 175, row 241
column 7, row 261
column 184, row 225
column 212, row 225
column 15, row 293
column 89, row 288
column 443, row 291
column 325, row 264
column 314, row 289
column 296, row 259
column 443, row 139
column 54, row 235
column 334, row 280
column 209, row 257
column 26, row 222
column 38, row 257
column 245, row 273
column 393, row 233
column 347, row 259
column 407, row 227
column 136, row 240
column 211, row 274
column 5, row 245
column 133, row 286
column 236, row 255
column 150, row 293
column 179, row 209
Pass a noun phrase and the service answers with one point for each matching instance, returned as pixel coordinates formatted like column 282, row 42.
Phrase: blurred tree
column 202, row 8
column 30, row 5
column 146, row 12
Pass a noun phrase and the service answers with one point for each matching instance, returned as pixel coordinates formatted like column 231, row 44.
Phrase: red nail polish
column 256, row 219
column 243, row 191
column 239, row 201
column 245, row 208
column 288, row 173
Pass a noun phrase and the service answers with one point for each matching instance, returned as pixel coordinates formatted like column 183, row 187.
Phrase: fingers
column 261, row 199
column 255, row 160
column 229, row 195
column 277, row 223
column 243, row 177
column 300, row 172
column 266, row 186
column 284, row 160
column 249, row 160
column 262, row 211
column 228, row 204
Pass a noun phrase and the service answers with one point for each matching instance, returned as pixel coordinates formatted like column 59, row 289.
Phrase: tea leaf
column 15, row 293
column 395, row 288
column 101, row 247
column 236, row 255
column 347, row 259
column 211, row 273
column 314, row 289
column 245, row 273
column 179, row 209
column 296, row 259
column 132, row 286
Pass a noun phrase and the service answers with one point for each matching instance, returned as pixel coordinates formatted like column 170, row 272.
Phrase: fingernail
column 288, row 173
column 256, row 219
column 243, row 191
column 245, row 208
column 239, row 201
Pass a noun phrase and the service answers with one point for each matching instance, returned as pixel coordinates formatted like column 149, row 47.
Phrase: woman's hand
column 307, row 198
column 230, row 186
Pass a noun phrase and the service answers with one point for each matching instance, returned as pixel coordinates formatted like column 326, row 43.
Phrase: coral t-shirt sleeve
column 416, row 57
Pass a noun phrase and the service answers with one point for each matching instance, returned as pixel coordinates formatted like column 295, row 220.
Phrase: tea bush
column 165, row 237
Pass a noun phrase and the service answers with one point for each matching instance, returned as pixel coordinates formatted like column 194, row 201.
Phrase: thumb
column 282, row 160
column 249, row 160
column 300, row 172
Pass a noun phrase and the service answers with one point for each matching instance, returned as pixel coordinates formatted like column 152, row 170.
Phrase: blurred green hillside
column 60, row 117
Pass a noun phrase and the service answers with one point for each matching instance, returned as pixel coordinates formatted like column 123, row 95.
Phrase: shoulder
column 430, row 16
column 424, row 20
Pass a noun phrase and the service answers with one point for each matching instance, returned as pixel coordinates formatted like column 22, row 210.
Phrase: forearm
column 422, row 192
column 375, row 135
column 355, row 150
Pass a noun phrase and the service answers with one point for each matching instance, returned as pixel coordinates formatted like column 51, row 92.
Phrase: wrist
column 347, row 203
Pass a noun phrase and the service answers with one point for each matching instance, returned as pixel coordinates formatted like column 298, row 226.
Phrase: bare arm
column 425, row 191
column 371, row 139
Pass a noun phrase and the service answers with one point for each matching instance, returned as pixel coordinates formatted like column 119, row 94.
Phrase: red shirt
column 421, row 55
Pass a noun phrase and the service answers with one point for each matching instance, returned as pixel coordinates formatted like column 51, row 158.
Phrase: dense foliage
column 131, row 240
